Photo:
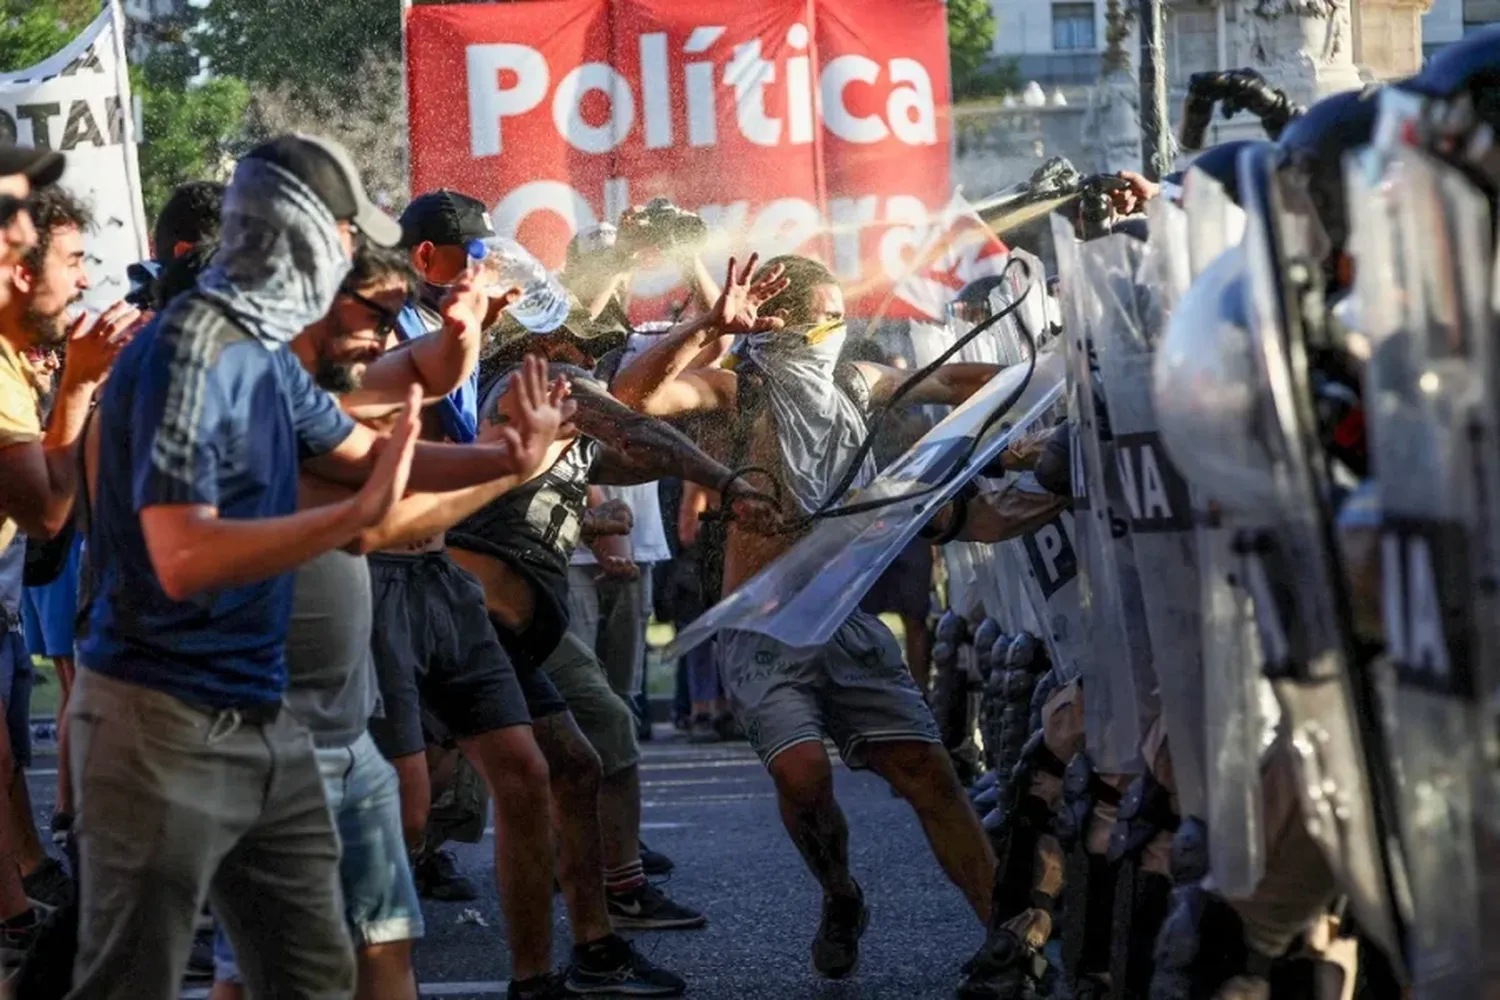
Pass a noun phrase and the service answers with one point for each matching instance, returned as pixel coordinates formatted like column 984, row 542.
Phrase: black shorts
column 433, row 645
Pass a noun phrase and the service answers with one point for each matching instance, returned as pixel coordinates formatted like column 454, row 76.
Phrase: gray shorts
column 606, row 721
column 856, row 690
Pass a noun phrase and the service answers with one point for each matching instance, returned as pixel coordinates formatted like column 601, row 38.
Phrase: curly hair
column 803, row 274
column 53, row 208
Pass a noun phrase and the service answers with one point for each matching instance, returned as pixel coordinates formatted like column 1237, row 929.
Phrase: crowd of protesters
column 332, row 555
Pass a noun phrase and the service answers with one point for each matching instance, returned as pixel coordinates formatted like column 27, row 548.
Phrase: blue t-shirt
column 198, row 412
column 459, row 410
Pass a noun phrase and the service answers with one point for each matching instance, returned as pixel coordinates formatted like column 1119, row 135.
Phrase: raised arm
column 38, row 475
column 949, row 385
column 517, row 449
column 193, row 550
column 660, row 383
column 419, row 516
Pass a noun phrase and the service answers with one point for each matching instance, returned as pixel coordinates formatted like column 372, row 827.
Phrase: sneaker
column 15, row 942
column 835, row 951
column 612, row 967
column 547, row 987
column 200, row 964
column 62, row 828
column 655, row 863
column 49, row 886
column 704, row 731
column 438, row 878
column 647, row 908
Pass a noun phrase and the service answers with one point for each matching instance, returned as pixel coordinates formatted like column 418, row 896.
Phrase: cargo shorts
column 855, row 689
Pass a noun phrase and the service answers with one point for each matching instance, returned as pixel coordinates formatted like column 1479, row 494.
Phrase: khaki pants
column 176, row 805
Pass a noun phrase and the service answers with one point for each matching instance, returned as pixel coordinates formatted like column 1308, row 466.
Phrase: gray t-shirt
column 331, row 685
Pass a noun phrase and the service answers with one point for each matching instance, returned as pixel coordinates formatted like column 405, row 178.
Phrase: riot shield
column 1172, row 269
column 1123, row 272
column 1292, row 568
column 1422, row 244
column 1119, row 700
column 804, row 596
column 1045, row 565
column 1214, row 221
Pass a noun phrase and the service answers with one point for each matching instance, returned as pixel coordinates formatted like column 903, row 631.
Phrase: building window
column 1073, row 27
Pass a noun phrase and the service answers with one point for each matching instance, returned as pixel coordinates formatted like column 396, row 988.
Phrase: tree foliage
column 304, row 47
column 971, row 44
column 188, row 129
column 32, row 30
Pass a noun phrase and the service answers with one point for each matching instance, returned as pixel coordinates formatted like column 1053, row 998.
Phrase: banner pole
column 127, row 113
column 406, row 93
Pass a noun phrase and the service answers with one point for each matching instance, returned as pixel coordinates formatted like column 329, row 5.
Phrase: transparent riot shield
column 804, row 596
column 1158, row 505
column 1119, row 698
column 1204, row 399
column 1292, row 567
column 1422, row 247
column 1214, row 221
column 1172, row 264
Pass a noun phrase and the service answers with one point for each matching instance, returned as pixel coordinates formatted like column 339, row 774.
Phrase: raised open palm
column 738, row 308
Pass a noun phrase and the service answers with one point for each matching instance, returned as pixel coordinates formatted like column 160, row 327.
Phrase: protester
column 37, row 480
column 331, row 678
column 519, row 549
column 803, row 415
column 190, row 780
column 190, row 217
column 432, row 644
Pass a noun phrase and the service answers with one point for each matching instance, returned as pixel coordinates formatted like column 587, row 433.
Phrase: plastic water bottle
column 543, row 304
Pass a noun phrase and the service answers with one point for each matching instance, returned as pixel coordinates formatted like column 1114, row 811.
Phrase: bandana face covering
column 818, row 427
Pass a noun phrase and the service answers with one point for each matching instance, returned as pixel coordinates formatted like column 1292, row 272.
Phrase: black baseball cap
column 325, row 167
column 40, row 166
column 445, row 218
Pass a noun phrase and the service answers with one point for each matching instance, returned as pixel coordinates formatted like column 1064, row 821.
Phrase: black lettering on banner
column 7, row 127
column 39, row 115
column 81, row 128
column 1054, row 561
column 1429, row 623
column 114, row 112
column 1155, row 491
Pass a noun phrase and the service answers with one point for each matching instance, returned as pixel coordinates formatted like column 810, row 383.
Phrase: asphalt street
column 712, row 810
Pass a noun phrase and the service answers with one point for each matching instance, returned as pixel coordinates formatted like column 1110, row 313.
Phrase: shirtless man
column 802, row 413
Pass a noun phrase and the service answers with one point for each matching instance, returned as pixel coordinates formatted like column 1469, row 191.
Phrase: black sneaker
column 437, row 877
column 612, row 967
column 62, row 828
column 835, row 951
column 655, row 863
column 647, row 908
column 546, row 987
column 200, row 964
column 49, row 886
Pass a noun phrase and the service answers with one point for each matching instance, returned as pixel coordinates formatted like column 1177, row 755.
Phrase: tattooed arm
column 641, row 449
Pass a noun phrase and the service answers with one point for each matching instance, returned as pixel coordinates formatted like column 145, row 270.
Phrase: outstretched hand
column 738, row 308
column 538, row 415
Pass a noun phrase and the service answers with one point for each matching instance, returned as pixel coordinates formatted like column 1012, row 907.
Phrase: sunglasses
column 388, row 317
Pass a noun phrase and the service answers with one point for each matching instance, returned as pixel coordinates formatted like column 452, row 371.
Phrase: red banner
column 819, row 126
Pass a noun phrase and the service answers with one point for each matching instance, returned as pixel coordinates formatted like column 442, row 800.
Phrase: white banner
column 78, row 103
